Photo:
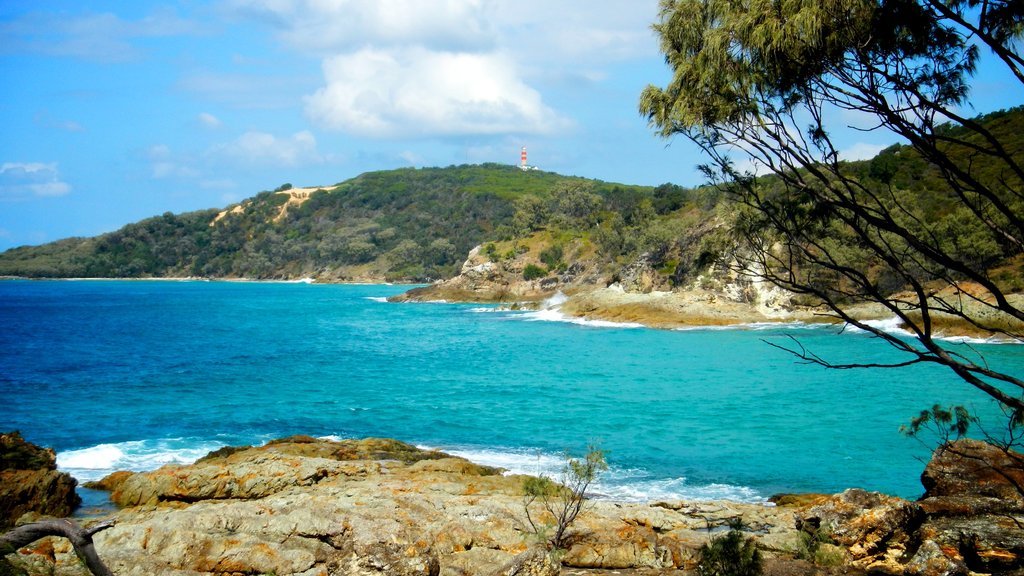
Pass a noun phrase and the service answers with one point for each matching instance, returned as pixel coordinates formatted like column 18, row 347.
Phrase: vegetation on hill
column 402, row 225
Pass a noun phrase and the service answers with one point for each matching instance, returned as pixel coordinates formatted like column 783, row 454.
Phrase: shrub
column 817, row 547
column 564, row 501
column 731, row 555
column 551, row 256
column 533, row 272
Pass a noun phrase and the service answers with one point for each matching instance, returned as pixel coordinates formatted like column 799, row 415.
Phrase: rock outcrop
column 371, row 507
column 970, row 520
column 30, row 482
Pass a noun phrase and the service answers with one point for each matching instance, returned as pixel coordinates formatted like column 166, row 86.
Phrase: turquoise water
column 135, row 374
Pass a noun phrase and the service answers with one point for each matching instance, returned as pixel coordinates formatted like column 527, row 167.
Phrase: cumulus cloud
column 23, row 180
column 261, row 148
column 415, row 91
column 451, row 67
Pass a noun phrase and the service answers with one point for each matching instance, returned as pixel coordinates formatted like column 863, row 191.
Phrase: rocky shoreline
column 639, row 294
column 315, row 507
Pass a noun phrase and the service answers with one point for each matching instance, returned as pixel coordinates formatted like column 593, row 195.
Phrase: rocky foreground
column 303, row 506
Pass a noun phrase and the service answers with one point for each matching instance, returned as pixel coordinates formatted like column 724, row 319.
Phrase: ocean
column 136, row 374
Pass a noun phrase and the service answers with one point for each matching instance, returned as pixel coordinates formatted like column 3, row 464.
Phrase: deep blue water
column 132, row 374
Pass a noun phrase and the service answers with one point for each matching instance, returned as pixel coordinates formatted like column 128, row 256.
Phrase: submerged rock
column 30, row 482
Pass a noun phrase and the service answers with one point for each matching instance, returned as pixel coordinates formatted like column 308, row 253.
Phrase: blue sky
column 116, row 111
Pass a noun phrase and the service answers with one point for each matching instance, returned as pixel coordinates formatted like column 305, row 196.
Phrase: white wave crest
column 556, row 316
column 550, row 311
column 513, row 461
column 617, row 484
column 377, row 298
column 95, row 462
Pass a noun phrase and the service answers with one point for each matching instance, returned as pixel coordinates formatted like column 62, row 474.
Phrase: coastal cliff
column 305, row 506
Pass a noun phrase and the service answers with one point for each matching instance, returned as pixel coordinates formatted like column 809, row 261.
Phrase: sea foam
column 617, row 483
column 550, row 311
column 95, row 462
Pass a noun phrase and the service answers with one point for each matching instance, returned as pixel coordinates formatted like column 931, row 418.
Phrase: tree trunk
column 80, row 538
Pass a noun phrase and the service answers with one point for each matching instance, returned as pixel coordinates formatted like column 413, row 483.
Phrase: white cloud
column 418, row 92
column 261, row 148
column 861, row 151
column 104, row 37
column 164, row 164
column 44, row 119
column 328, row 26
column 209, row 120
column 411, row 158
column 453, row 67
column 21, row 180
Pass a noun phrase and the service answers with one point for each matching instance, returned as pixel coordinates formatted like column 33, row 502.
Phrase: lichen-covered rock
column 307, row 507
column 971, row 469
column 30, row 482
column 877, row 529
column 971, row 518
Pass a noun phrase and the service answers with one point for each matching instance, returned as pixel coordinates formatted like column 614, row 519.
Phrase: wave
column 895, row 326
column 550, row 311
column 383, row 299
column 754, row 326
column 617, row 484
column 95, row 462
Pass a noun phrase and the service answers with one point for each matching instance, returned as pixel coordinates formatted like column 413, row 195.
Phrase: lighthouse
column 522, row 161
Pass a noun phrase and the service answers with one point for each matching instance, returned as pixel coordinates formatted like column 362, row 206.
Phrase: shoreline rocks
column 30, row 482
column 317, row 507
column 301, row 506
column 970, row 520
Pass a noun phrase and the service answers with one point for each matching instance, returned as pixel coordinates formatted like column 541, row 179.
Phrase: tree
column 767, row 79
column 564, row 501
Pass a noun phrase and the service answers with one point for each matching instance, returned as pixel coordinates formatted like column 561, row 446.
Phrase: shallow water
column 134, row 374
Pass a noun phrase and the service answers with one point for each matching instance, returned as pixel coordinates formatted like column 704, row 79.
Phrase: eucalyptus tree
column 762, row 85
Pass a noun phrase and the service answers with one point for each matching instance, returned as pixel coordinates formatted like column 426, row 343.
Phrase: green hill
column 407, row 224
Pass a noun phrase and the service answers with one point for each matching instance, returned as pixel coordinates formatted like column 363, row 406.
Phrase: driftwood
column 81, row 539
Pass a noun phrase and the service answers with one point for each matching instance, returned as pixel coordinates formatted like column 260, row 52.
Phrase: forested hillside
column 408, row 224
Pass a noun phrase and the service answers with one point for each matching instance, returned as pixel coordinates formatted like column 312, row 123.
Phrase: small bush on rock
column 563, row 502
column 731, row 555
column 533, row 272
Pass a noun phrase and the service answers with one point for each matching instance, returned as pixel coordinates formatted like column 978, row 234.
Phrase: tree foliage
column 766, row 81
column 733, row 554
column 562, row 501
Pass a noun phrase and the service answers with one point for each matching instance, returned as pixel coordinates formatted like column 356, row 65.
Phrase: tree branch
column 81, row 540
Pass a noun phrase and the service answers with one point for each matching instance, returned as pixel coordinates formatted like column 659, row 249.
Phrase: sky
column 115, row 111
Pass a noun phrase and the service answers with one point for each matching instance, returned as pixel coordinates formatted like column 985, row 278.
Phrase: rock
column 536, row 562
column 30, row 482
column 870, row 524
column 971, row 468
column 305, row 507
column 970, row 520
